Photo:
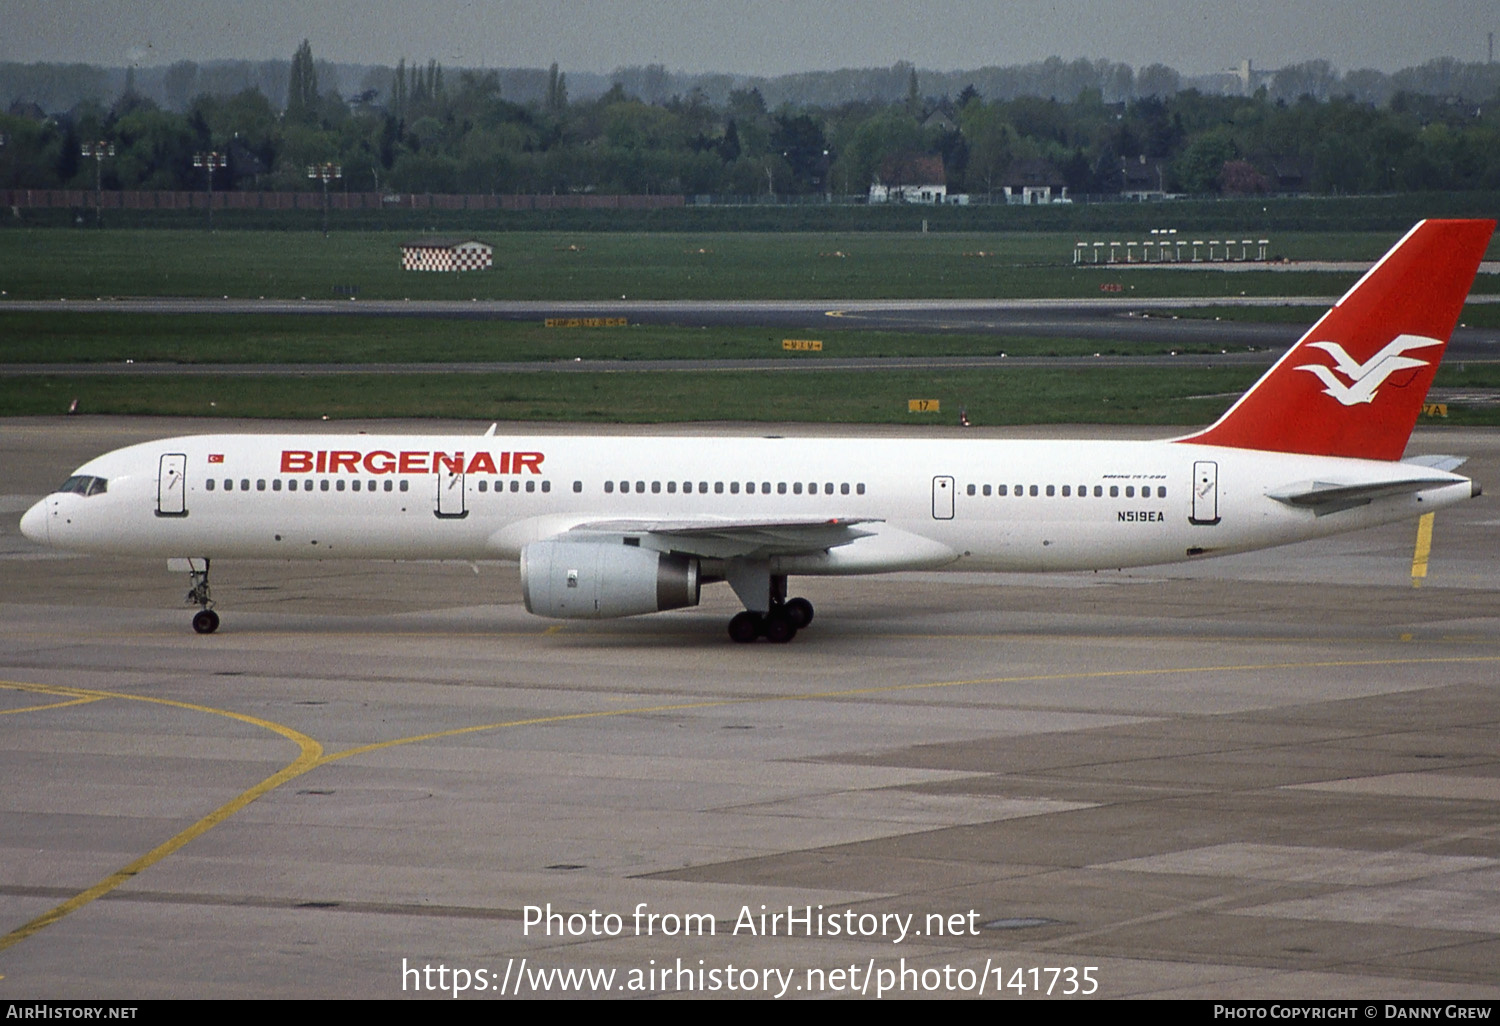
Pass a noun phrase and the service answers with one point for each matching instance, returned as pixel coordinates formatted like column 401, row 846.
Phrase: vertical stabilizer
column 1355, row 383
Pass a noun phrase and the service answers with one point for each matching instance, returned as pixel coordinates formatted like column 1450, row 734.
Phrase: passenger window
column 972, row 489
column 671, row 487
column 355, row 484
column 276, row 485
column 734, row 488
column 780, row 487
column 1001, row 490
column 405, row 485
column 340, row 484
column 484, row 485
column 546, row 486
column 1098, row 491
column 531, row 486
column 323, row 485
column 796, row 487
column 228, row 485
column 718, row 487
column 859, row 489
column 578, row 486
column 1114, row 491
column 1067, row 491
column 1130, row 491
column 1033, row 491
column 388, row 486
column 640, row 487
column 1051, row 491
column 828, row 488
column 655, row 487
column 244, row 484
column 1161, row 491
column 209, row 484
column 609, row 487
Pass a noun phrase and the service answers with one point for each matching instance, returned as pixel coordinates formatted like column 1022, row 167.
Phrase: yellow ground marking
column 1424, row 549
column 49, row 705
column 312, row 756
column 310, row 750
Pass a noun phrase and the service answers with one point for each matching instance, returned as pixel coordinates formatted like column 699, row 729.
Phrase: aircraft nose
column 34, row 523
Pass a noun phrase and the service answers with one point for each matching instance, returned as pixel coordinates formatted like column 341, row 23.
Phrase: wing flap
column 753, row 538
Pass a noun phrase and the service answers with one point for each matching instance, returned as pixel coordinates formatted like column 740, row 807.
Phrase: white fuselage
column 927, row 504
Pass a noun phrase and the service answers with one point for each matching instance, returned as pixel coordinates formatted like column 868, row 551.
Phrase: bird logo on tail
column 1365, row 378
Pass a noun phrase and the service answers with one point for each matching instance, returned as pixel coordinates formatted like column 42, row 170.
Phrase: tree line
column 1094, row 127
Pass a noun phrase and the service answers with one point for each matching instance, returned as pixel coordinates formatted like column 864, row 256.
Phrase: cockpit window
column 84, row 484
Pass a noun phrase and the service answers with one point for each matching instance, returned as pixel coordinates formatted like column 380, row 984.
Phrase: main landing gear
column 779, row 623
column 205, row 620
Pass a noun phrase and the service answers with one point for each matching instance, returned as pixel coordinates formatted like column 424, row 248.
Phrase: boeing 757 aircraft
column 607, row 527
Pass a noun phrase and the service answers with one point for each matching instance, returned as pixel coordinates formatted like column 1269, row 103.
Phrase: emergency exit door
column 942, row 498
column 1205, row 493
column 171, row 485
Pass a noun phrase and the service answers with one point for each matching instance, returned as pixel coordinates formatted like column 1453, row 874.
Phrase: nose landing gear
column 205, row 621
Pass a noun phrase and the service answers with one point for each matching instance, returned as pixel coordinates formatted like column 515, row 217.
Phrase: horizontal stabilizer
column 1325, row 497
column 1437, row 462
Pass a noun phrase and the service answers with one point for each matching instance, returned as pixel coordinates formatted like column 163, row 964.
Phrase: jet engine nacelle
column 598, row 580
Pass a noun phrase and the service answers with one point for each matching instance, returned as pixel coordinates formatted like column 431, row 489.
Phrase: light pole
column 325, row 173
column 98, row 150
column 208, row 161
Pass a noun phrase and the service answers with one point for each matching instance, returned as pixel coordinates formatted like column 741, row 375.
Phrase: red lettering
column 296, row 461
column 413, row 463
column 343, row 459
column 531, row 461
column 380, row 462
column 453, row 464
column 322, row 465
column 505, row 463
column 482, row 463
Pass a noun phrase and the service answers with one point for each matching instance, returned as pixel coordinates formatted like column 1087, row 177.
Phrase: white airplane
column 607, row 527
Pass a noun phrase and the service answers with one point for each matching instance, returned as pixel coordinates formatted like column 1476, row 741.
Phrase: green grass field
column 991, row 397
column 87, row 338
column 82, row 264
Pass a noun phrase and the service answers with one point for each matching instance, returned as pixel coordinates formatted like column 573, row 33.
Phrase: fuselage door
column 942, row 498
column 1205, row 493
column 450, row 497
column 171, row 485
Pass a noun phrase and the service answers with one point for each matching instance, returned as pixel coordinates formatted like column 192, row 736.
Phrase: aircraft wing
column 1324, row 497
column 750, row 538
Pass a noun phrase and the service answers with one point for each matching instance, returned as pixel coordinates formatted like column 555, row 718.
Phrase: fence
column 36, row 199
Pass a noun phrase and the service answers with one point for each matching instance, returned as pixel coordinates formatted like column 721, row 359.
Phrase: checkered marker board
column 446, row 258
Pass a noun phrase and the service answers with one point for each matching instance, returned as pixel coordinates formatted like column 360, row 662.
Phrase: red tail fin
column 1354, row 384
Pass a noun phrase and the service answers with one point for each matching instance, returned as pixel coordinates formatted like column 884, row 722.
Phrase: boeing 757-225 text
column 607, row 527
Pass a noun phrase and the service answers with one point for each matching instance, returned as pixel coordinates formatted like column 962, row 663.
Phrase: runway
column 1115, row 321
column 1266, row 776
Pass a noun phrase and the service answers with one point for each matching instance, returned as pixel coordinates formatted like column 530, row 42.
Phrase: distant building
column 1143, row 179
column 447, row 255
column 1034, row 181
column 910, row 178
column 941, row 118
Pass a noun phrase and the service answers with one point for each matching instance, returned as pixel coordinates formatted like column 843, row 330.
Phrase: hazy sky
column 753, row 36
